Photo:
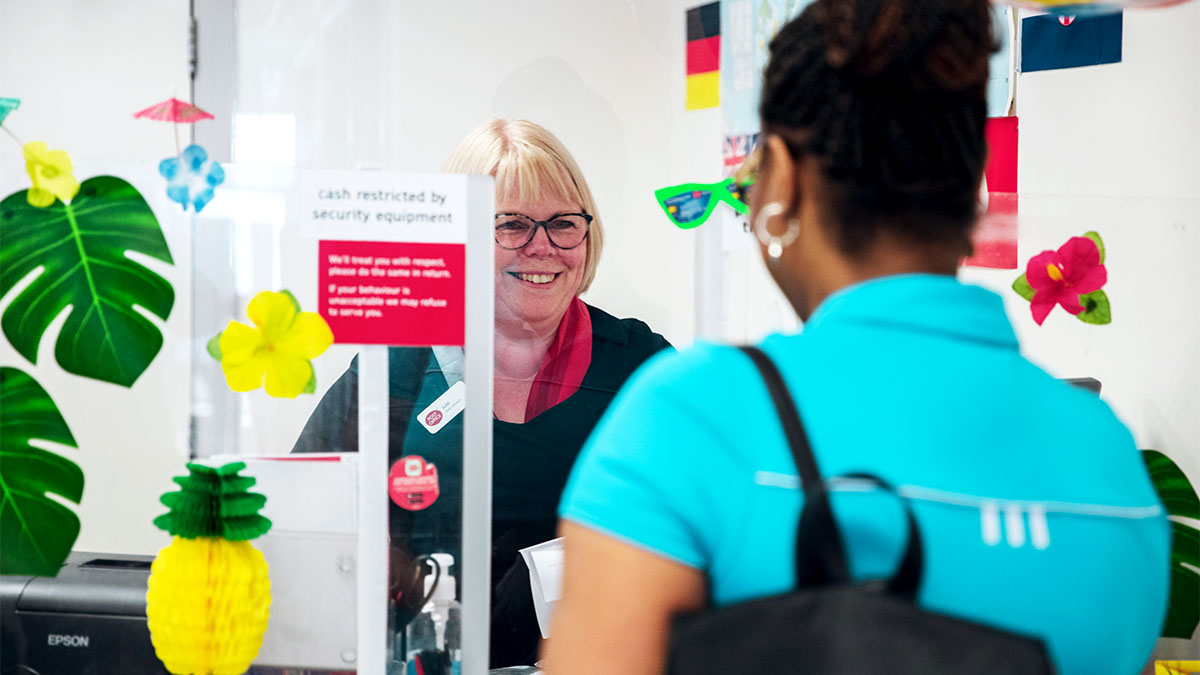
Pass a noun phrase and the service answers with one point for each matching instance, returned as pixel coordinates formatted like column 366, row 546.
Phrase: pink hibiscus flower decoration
column 1060, row 277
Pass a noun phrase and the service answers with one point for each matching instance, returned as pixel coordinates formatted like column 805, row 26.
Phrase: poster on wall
column 735, row 227
column 1002, row 68
column 749, row 27
column 735, row 148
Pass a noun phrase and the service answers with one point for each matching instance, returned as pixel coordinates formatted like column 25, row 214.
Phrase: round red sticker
column 413, row 483
column 433, row 417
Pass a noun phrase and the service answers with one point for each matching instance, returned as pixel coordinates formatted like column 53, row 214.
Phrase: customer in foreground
column 1037, row 515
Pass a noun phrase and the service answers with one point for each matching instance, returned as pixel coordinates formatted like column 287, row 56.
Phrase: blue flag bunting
column 1049, row 44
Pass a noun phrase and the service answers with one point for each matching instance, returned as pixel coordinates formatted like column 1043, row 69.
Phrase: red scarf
column 565, row 363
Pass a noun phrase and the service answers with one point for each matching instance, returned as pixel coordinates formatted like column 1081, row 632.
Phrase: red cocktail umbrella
column 175, row 111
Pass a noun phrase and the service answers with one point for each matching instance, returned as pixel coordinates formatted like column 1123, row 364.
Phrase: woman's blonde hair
column 528, row 161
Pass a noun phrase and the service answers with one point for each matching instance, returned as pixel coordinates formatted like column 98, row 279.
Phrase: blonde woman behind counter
column 558, row 364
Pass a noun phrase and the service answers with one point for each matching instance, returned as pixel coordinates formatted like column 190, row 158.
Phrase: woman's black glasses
column 565, row 230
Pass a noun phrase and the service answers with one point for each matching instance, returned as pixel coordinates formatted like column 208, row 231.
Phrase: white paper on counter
column 545, row 563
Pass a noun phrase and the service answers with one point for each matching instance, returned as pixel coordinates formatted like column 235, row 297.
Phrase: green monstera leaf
column 37, row 531
column 1180, row 500
column 82, row 247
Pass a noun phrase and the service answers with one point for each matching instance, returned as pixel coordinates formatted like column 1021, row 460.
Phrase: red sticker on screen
column 413, row 483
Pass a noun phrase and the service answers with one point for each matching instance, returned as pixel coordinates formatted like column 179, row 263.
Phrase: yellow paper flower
column 279, row 347
column 50, row 171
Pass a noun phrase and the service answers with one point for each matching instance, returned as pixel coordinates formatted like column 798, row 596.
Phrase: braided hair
column 890, row 97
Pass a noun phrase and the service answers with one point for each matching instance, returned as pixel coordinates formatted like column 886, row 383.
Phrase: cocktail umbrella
column 8, row 105
column 175, row 111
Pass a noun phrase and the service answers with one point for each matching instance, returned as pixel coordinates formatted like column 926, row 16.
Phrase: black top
column 531, row 462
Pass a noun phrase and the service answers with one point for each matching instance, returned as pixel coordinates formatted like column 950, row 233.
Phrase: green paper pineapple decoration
column 209, row 595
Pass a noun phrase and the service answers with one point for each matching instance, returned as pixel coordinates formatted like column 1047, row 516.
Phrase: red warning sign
column 392, row 293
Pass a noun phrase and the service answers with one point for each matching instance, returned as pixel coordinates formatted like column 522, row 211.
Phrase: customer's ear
column 777, row 179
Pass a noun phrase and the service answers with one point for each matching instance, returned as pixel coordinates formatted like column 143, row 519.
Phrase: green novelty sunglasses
column 690, row 204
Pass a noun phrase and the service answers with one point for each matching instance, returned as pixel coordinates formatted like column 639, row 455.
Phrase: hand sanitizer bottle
column 433, row 638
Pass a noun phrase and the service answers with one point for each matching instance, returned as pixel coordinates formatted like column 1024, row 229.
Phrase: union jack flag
column 735, row 149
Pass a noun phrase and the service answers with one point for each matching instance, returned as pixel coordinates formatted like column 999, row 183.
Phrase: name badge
column 445, row 408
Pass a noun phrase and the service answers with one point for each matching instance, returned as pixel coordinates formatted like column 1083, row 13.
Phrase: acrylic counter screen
column 393, row 293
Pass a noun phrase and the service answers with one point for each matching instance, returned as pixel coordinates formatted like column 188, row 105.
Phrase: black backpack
column 827, row 623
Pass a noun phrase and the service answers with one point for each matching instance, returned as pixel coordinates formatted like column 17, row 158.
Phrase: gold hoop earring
column 775, row 245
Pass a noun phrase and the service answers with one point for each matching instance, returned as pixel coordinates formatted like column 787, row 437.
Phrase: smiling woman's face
column 535, row 284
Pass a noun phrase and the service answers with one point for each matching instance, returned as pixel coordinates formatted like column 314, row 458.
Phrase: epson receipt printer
column 89, row 620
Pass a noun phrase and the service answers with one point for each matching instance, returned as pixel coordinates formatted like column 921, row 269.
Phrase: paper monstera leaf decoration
column 37, row 531
column 1183, row 505
column 1070, row 277
column 209, row 595
column 66, row 256
column 278, row 349
column 71, row 242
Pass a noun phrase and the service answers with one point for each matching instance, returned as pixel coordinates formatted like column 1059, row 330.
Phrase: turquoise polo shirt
column 1036, row 510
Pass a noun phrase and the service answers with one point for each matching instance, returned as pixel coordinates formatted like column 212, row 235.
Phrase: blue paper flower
column 191, row 177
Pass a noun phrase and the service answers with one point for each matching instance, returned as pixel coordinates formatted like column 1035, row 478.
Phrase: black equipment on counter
column 89, row 620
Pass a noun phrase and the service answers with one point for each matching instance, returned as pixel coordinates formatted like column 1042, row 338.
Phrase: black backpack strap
column 785, row 407
column 906, row 580
column 820, row 554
